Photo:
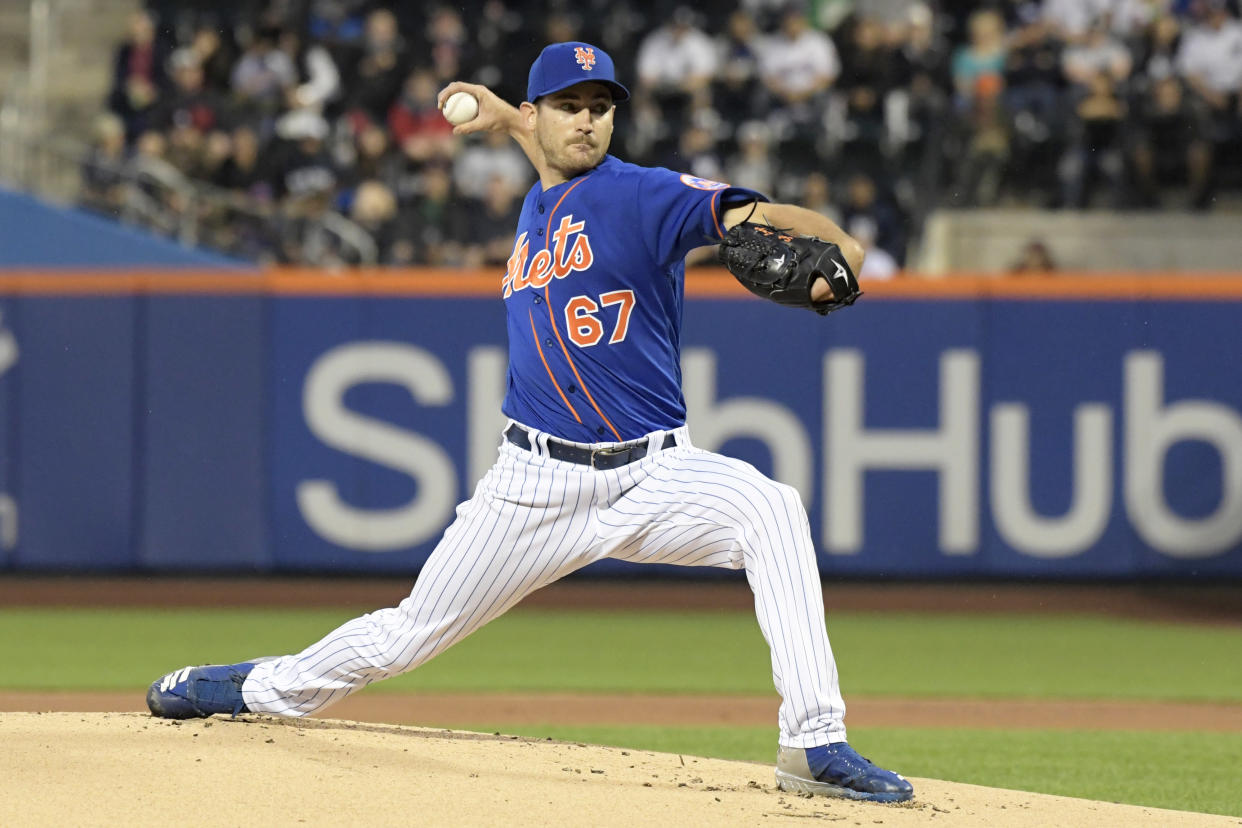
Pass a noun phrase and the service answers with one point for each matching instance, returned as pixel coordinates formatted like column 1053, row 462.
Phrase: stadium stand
column 306, row 132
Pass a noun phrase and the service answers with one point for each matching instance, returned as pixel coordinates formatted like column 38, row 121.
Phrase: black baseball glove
column 775, row 265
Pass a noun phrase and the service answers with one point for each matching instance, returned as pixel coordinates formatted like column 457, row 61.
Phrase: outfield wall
column 297, row 421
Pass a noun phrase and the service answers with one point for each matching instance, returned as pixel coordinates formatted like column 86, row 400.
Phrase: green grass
column 1182, row 771
column 1028, row 656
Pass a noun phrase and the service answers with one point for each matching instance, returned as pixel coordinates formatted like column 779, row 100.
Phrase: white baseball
column 461, row 107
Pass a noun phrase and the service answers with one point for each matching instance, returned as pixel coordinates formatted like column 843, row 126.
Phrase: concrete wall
column 991, row 240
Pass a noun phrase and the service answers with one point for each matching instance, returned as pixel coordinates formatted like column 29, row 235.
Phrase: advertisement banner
column 307, row 423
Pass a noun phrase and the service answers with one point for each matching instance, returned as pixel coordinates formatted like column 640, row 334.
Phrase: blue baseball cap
column 561, row 65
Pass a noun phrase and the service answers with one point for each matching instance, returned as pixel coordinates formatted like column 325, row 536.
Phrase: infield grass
column 1016, row 656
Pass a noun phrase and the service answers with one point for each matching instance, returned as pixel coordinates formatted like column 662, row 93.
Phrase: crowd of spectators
column 314, row 121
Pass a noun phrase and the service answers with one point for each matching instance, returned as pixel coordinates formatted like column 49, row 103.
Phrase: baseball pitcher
column 596, row 460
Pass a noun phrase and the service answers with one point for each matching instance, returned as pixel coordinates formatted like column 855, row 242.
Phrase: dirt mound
column 127, row 768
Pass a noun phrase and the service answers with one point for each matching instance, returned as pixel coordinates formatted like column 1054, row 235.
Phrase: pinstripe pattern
column 533, row 520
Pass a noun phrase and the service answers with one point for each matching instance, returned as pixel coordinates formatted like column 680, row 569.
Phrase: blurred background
column 1006, row 136
column 1042, row 383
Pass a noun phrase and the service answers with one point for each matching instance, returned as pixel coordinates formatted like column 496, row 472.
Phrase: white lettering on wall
column 1092, row 486
column 8, row 523
column 950, row 447
column 487, row 369
column 714, row 423
column 951, row 450
column 8, row 348
column 8, row 506
column 1152, row 427
column 323, row 404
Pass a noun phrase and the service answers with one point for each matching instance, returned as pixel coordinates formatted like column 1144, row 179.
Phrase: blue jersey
column 593, row 295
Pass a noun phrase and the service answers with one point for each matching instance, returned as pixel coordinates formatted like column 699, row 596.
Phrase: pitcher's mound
column 130, row 768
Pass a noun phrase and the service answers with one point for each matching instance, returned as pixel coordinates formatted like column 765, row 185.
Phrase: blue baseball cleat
column 838, row 770
column 199, row 692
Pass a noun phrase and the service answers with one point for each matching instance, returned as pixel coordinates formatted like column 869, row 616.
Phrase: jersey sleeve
column 679, row 212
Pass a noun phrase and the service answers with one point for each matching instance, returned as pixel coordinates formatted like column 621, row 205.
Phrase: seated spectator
column 103, row 171
column 337, row 24
column 1129, row 20
column 1071, row 20
column 922, row 50
column 697, row 154
column 978, row 66
column 817, row 195
column 212, row 45
column 1210, row 61
column 1036, row 104
column 917, row 120
column 735, row 86
column 644, row 133
column 1033, row 80
column 1035, row 258
column 1095, row 150
column 304, row 235
column 878, row 263
column 417, row 125
column 675, row 65
column 374, row 209
column 1098, row 52
column 245, row 173
column 1157, row 49
column 319, row 79
column 868, row 59
column 435, row 224
column 217, row 151
column 263, row 76
column 138, row 75
column 982, row 148
column 188, row 103
column 492, row 222
column 492, row 154
column 448, row 45
column 500, row 45
column 157, row 194
column 1169, row 144
column 865, row 83
column 185, row 150
column 302, row 167
column 798, row 66
column 378, row 69
column 754, row 165
column 373, row 159
column 862, row 201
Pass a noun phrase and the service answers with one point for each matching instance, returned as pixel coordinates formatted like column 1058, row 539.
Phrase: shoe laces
column 840, row 761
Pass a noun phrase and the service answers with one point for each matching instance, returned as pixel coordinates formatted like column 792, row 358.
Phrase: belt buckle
column 608, row 452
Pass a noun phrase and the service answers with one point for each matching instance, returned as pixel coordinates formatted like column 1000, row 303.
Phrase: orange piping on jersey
column 716, row 221
column 548, row 301
column 535, row 334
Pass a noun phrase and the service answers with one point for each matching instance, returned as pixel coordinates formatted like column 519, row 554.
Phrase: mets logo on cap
column 585, row 56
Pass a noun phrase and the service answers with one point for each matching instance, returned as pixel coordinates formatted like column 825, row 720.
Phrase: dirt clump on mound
column 126, row 768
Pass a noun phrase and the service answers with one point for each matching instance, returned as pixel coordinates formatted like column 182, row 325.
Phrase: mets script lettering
column 559, row 260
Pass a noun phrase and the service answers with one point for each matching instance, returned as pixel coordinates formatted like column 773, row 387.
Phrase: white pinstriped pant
column 533, row 520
